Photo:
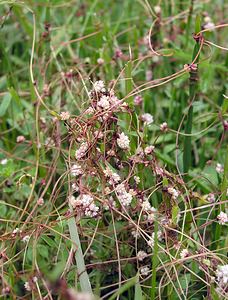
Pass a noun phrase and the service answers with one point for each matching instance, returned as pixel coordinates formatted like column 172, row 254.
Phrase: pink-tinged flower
column 138, row 100
column 123, row 141
column 219, row 168
column 147, row 119
column 222, row 218
column 20, row 139
column 164, row 127
column 141, row 255
column 40, row 201
column 184, row 253
column 65, row 115
column 149, row 149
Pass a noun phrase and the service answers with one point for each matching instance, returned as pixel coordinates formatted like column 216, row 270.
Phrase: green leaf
column 5, row 104
column 175, row 212
column 138, row 291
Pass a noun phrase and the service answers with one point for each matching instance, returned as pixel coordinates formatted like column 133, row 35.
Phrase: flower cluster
column 85, row 203
column 123, row 141
column 124, row 197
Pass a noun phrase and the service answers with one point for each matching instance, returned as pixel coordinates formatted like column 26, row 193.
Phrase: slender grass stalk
column 82, row 273
column 193, row 84
column 154, row 262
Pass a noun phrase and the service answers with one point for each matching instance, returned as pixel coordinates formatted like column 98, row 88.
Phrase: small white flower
column 99, row 86
column 157, row 9
column 123, row 141
column 124, row 197
column 150, row 242
column 141, row 255
column 48, row 142
column 76, row 170
column 89, row 111
column 149, row 75
column 100, row 61
column 147, row 119
column 104, row 102
column 81, row 152
column 34, row 279
column 40, row 201
column 222, row 274
column 15, row 231
column 20, row 139
column 137, row 179
column 27, row 286
column 144, row 271
column 173, row 192
column 135, row 233
column 65, row 115
column 219, row 168
column 4, row 161
column 72, row 201
column 207, row 19
column 211, row 197
column 149, row 149
column 209, row 25
column 184, row 253
column 138, row 100
column 75, row 187
column 164, row 126
column 222, row 218
column 26, row 238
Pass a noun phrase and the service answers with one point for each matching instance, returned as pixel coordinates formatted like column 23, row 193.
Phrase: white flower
column 81, row 151
column 65, row 115
column 222, row 274
column 137, row 179
column 72, row 201
column 48, row 142
column 124, row 197
column 149, row 74
column 27, row 286
column 150, row 242
column 135, row 233
column 146, row 205
column 4, row 161
column 219, row 168
column 123, row 141
column 15, row 231
column 114, row 177
column 149, row 149
column 211, row 197
column 184, row 253
column 222, row 218
column 173, row 192
column 207, row 19
column 92, row 210
column 144, row 271
column 34, row 279
column 164, row 126
column 100, row 61
column 157, row 9
column 76, row 170
column 138, row 100
column 104, row 102
column 20, row 139
column 75, row 187
column 141, row 255
column 89, row 111
column 209, row 25
column 99, row 86
column 26, row 238
column 147, row 119
column 40, row 201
